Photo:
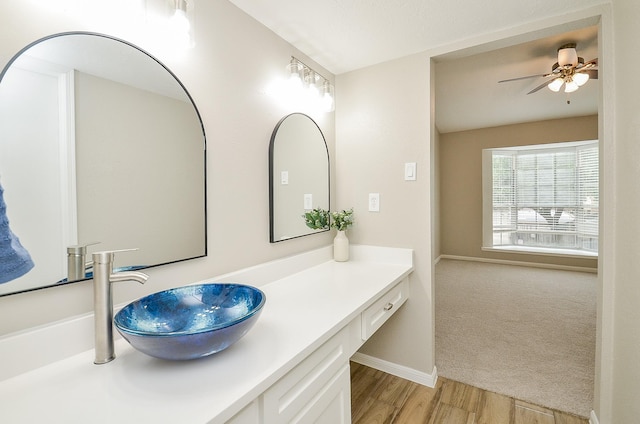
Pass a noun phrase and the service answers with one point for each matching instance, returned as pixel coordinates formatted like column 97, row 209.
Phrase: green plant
column 342, row 220
column 317, row 219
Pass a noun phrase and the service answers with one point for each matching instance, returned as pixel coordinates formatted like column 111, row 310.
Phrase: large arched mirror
column 298, row 175
column 99, row 143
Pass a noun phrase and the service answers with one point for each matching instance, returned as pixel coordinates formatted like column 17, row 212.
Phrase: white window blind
column 542, row 197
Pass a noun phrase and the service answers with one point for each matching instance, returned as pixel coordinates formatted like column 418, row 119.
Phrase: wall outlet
column 374, row 202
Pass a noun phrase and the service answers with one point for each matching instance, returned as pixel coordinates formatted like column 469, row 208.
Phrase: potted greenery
column 317, row 219
column 341, row 221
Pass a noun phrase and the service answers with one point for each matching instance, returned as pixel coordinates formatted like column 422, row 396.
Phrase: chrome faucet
column 103, row 276
column 76, row 261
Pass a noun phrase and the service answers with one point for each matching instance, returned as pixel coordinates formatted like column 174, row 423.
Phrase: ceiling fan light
column 581, row 78
column 567, row 56
column 556, row 84
column 571, row 86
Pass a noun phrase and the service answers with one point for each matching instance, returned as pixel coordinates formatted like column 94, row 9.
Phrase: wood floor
column 380, row 398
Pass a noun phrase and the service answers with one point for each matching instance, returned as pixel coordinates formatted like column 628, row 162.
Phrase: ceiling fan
column 569, row 71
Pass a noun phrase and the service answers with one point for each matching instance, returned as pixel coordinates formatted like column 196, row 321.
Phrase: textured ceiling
column 345, row 35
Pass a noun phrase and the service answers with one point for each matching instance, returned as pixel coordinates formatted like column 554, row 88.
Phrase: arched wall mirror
column 298, row 176
column 99, row 143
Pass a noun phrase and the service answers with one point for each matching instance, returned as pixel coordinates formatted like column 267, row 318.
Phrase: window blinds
column 546, row 196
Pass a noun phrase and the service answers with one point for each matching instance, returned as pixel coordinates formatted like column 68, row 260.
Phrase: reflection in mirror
column 298, row 175
column 101, row 148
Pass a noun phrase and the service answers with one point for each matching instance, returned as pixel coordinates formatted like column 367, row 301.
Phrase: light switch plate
column 284, row 177
column 308, row 201
column 410, row 169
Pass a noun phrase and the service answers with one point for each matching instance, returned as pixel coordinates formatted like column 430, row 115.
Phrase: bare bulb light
column 295, row 73
column 328, row 104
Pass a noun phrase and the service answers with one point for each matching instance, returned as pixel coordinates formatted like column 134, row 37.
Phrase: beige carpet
column 524, row 332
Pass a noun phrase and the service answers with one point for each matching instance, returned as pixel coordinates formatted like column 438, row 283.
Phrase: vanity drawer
column 311, row 385
column 378, row 313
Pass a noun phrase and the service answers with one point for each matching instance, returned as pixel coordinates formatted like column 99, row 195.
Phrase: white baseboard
column 398, row 370
column 518, row 263
column 593, row 419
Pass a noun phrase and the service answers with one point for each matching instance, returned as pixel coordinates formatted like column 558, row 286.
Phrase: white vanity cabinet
column 318, row 389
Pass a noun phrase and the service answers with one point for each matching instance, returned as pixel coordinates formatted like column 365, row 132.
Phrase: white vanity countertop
column 302, row 311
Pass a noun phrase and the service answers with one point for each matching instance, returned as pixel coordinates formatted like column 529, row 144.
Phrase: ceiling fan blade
column 593, row 63
column 593, row 73
column 540, row 87
column 521, row 78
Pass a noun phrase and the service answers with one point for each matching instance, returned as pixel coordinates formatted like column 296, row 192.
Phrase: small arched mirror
column 99, row 143
column 298, row 176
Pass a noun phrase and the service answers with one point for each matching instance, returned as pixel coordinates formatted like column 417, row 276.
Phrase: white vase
column 341, row 247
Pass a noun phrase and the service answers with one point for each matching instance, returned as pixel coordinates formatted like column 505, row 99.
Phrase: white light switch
column 308, row 201
column 374, row 202
column 284, row 177
column 410, row 171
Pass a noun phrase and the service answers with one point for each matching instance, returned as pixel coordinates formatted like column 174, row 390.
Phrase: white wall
column 383, row 122
column 227, row 73
column 626, row 286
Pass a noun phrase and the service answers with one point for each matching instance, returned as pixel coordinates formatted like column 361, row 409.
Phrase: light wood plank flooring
column 381, row 398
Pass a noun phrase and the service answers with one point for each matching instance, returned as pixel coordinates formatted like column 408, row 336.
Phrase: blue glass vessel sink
column 192, row 321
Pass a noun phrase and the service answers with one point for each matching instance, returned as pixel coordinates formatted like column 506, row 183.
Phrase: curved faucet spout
column 140, row 277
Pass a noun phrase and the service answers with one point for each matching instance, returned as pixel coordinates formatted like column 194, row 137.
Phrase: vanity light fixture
column 316, row 89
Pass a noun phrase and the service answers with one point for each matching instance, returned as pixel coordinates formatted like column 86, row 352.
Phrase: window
column 542, row 198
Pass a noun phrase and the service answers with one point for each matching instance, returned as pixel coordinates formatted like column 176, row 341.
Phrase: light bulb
column 180, row 26
column 328, row 103
column 581, row 78
column 570, row 86
column 312, row 88
column 179, row 20
column 295, row 69
column 556, row 84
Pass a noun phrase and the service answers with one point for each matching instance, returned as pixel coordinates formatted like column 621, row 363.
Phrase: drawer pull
column 388, row 306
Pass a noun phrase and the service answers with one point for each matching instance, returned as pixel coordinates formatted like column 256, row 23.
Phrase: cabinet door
column 333, row 404
column 316, row 390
